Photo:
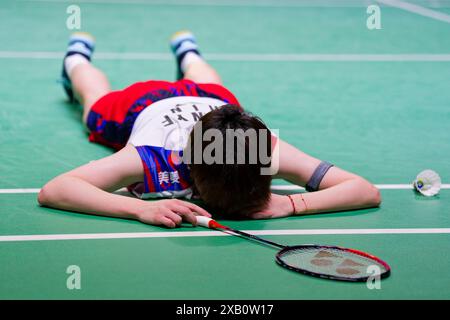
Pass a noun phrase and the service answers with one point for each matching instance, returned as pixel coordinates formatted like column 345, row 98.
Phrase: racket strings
column 330, row 262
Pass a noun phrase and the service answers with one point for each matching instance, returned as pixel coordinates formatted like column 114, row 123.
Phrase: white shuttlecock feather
column 427, row 183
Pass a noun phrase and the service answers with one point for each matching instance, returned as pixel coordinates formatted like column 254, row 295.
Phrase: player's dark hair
column 232, row 190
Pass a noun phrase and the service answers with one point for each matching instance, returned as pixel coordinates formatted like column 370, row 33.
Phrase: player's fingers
column 198, row 210
column 186, row 213
column 174, row 217
column 167, row 222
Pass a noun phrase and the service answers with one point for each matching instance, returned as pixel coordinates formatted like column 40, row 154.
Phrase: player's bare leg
column 190, row 63
column 202, row 72
column 81, row 80
column 89, row 84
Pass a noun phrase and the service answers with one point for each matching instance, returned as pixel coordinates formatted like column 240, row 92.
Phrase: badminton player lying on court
column 149, row 123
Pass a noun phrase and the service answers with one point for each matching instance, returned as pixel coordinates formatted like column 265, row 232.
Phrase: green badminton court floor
column 375, row 102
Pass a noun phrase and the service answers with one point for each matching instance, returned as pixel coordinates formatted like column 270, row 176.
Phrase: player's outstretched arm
column 339, row 189
column 87, row 189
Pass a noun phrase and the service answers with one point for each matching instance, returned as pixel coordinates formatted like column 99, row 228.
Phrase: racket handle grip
column 204, row 221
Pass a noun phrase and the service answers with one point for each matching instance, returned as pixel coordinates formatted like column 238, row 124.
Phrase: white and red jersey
column 160, row 134
column 156, row 117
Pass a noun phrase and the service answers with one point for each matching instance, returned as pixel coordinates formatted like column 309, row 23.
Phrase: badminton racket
column 328, row 262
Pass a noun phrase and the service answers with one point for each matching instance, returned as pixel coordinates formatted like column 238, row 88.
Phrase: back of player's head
column 227, row 150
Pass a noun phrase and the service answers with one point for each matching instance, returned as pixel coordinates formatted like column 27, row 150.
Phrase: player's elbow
column 373, row 196
column 376, row 196
column 369, row 194
column 48, row 194
column 44, row 196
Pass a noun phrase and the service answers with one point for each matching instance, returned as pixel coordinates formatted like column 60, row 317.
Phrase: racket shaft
column 256, row 238
column 213, row 224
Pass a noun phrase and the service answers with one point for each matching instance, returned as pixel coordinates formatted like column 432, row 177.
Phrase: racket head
column 331, row 262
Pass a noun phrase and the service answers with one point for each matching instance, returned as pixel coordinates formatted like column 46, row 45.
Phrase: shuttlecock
column 427, row 183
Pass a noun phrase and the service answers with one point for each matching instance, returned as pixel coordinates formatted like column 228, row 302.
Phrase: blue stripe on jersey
column 160, row 175
column 149, row 164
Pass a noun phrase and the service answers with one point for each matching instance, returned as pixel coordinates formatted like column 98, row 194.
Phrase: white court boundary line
column 262, row 57
column 414, row 8
column 274, row 187
column 181, row 234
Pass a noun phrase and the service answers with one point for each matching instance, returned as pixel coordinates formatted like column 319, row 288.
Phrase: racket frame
column 215, row 225
column 280, row 262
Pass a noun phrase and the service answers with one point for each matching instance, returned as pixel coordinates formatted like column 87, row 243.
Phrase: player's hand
column 279, row 206
column 170, row 213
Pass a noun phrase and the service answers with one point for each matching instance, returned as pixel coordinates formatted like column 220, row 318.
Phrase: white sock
column 188, row 59
column 74, row 60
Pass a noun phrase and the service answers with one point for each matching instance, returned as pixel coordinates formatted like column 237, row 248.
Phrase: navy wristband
column 317, row 176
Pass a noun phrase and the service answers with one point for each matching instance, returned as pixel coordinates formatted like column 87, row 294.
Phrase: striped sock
column 185, row 48
column 81, row 43
column 80, row 50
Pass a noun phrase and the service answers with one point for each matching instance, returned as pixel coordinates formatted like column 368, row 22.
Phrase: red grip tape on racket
column 209, row 223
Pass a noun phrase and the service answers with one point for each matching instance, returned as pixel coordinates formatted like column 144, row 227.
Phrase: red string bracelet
column 306, row 207
column 293, row 203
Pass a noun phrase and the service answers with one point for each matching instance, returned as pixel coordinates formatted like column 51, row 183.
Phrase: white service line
column 181, row 234
column 274, row 187
column 23, row 190
column 261, row 57
column 414, row 8
column 379, row 186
